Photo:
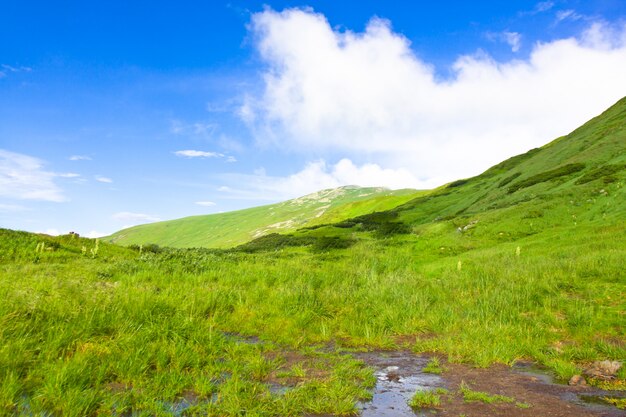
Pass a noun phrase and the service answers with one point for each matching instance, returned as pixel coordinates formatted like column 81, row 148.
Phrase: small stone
column 577, row 380
column 603, row 369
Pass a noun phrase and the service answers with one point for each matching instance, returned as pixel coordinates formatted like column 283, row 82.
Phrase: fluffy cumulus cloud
column 369, row 94
column 315, row 176
column 23, row 177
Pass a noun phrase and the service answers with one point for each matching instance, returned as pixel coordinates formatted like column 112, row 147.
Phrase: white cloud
column 52, row 232
column 544, row 6
column 316, row 176
column 201, row 129
column 369, row 95
column 133, row 219
column 568, row 14
column 205, row 203
column 23, row 177
column 197, row 154
column 513, row 39
column 231, row 159
column 105, row 180
column 541, row 7
column 68, row 175
column 79, row 158
column 7, row 69
column 93, row 234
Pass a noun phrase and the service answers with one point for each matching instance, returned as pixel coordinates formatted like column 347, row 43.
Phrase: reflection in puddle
column 398, row 376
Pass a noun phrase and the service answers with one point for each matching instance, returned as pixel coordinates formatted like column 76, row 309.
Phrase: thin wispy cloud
column 544, row 6
column 541, row 7
column 68, row 175
column 205, row 203
column 190, row 153
column 6, row 69
column 105, row 180
column 513, row 39
column 79, row 158
column 202, row 129
column 569, row 14
column 23, row 177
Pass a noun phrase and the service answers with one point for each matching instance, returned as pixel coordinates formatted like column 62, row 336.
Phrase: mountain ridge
column 229, row 229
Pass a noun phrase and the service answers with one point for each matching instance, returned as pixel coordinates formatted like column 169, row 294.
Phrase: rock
column 392, row 373
column 603, row 369
column 577, row 380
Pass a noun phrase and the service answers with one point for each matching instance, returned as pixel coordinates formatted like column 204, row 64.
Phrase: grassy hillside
column 233, row 228
column 525, row 261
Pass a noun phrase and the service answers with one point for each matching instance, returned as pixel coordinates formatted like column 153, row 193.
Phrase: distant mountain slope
column 224, row 230
column 574, row 184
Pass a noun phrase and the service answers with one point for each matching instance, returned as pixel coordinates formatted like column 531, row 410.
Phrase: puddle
column 532, row 370
column 398, row 376
column 590, row 398
column 278, row 389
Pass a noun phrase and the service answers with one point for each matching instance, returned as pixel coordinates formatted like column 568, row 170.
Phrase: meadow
column 525, row 261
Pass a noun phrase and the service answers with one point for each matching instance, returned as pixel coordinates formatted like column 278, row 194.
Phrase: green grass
column 469, row 396
column 433, row 366
column 126, row 329
column 425, row 399
column 617, row 402
column 224, row 230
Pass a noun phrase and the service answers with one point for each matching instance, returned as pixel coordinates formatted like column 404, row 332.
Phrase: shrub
column 458, row 183
column 547, row 176
column 509, row 179
column 605, row 171
column 275, row 241
column 382, row 223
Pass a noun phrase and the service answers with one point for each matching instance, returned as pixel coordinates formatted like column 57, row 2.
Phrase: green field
column 224, row 230
column 525, row 261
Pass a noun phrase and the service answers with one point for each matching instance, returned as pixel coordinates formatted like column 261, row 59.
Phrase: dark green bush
column 275, row 241
column 509, row 179
column 458, row 183
column 547, row 176
column 604, row 171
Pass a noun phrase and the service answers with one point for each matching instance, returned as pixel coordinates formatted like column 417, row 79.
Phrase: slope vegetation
column 234, row 228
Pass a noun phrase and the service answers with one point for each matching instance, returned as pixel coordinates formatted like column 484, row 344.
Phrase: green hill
column 575, row 181
column 523, row 262
column 236, row 227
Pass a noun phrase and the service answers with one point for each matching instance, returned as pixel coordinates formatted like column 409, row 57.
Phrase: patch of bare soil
column 543, row 398
column 531, row 392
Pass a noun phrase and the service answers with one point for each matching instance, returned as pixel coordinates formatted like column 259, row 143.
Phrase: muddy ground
column 534, row 391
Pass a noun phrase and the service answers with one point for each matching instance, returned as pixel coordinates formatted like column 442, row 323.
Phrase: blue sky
column 114, row 114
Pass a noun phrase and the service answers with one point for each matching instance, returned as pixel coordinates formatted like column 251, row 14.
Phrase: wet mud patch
column 398, row 376
column 533, row 392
